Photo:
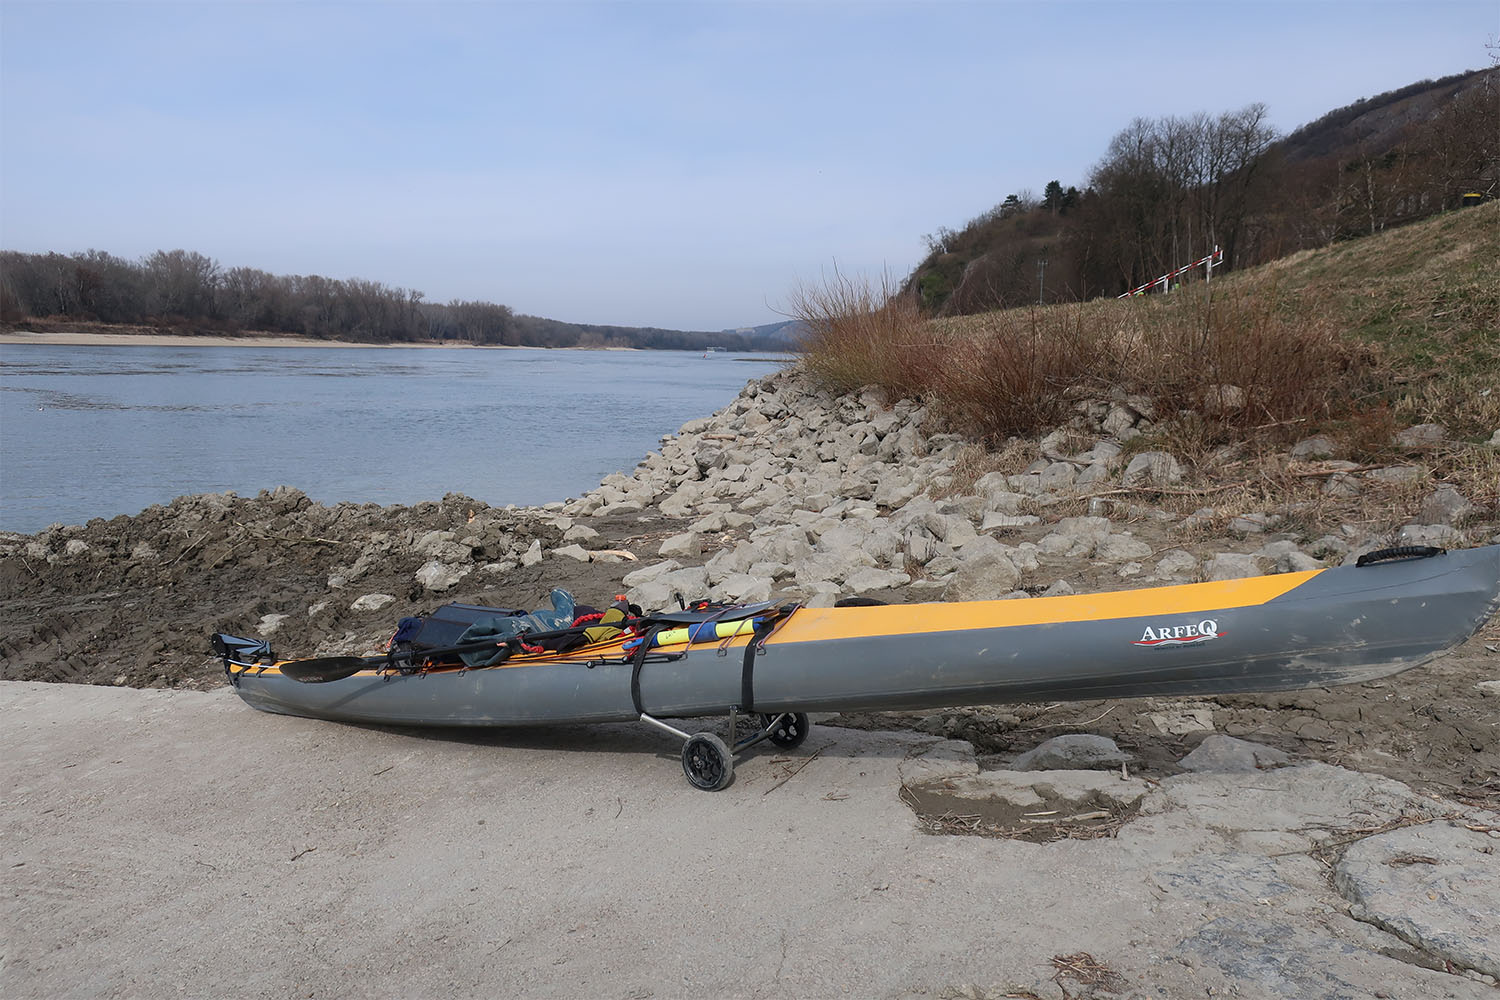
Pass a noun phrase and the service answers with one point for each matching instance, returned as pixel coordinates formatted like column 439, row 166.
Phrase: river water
column 98, row 431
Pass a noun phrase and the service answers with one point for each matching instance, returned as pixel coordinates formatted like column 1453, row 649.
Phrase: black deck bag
column 445, row 625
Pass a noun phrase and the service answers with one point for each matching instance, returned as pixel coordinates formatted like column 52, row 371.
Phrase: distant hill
column 1167, row 191
column 1380, row 121
column 776, row 336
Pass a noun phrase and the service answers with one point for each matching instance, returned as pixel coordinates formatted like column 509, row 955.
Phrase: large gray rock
column 1421, row 436
column 648, row 573
column 441, row 545
column 1223, row 399
column 1230, row 566
column 1152, row 468
column 1121, row 548
column 1221, row 753
column 687, row 545
column 870, row 578
column 743, row 587
column 1177, row 565
column 372, row 602
column 1119, row 419
column 1445, row 505
column 439, row 576
column 1075, row 536
column 1318, row 446
column 1287, row 558
column 1396, row 474
column 986, row 573
column 1072, row 752
column 1440, row 535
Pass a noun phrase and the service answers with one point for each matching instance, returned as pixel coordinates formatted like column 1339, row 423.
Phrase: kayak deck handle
column 1399, row 552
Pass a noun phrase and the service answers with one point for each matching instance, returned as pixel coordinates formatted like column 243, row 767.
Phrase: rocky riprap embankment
column 791, row 491
column 787, row 491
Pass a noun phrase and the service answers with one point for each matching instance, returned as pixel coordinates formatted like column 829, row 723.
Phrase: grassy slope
column 1353, row 341
column 1425, row 297
column 1427, row 293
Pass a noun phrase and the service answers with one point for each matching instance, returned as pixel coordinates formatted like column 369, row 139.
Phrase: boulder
column 743, row 587
column 985, row 574
column 687, row 545
column 1318, row 446
column 1122, row 547
column 1441, row 535
column 1445, row 505
column 1118, row 420
column 1421, row 437
column 372, row 602
column 863, row 581
column 1075, row 536
column 648, row 573
column 1152, row 468
column 1072, row 752
column 1176, row 565
column 1230, row 566
column 1286, row 557
column 1225, row 753
column 439, row 576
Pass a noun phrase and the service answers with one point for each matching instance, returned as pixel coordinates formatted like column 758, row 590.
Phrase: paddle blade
column 323, row 669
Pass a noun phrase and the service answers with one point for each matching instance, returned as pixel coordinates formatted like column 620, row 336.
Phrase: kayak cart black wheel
column 707, row 762
column 786, row 730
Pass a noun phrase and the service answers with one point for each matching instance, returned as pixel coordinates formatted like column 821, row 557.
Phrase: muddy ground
column 133, row 601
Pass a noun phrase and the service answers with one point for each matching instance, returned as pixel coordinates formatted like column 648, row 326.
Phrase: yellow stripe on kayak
column 814, row 624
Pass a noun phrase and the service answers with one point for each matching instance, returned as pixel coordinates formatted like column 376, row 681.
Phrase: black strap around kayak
column 747, row 672
column 647, row 641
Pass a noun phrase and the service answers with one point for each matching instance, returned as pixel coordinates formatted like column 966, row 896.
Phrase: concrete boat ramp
column 175, row 843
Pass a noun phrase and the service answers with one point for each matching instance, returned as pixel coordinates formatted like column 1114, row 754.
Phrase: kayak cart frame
column 708, row 759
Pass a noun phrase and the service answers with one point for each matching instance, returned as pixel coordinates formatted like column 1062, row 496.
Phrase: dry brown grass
column 1355, row 341
column 857, row 333
column 1020, row 371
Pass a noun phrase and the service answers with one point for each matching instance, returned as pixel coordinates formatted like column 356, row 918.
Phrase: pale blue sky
column 665, row 164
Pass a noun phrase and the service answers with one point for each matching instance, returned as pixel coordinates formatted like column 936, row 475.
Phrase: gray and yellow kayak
column 1319, row 628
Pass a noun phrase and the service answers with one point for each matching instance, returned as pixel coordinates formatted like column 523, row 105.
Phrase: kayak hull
column 1276, row 633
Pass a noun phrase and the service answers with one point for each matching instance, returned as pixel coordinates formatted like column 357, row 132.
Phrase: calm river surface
column 99, row 431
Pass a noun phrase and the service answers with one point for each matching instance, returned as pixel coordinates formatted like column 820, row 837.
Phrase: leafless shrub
column 857, row 333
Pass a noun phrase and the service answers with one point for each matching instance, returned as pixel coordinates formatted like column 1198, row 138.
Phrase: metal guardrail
column 1165, row 281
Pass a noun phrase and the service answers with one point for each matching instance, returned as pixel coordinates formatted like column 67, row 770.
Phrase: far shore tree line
column 1168, row 190
column 188, row 292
